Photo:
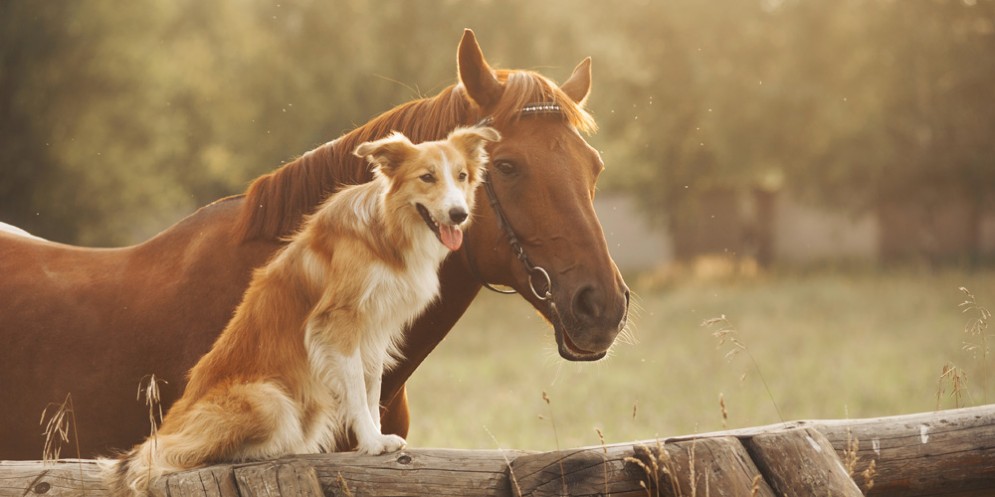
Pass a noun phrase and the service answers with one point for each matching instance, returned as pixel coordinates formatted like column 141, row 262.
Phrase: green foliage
column 118, row 118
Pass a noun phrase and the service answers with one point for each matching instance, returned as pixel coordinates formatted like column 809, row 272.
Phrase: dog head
column 438, row 179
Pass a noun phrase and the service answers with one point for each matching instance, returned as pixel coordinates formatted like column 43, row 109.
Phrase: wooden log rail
column 948, row 453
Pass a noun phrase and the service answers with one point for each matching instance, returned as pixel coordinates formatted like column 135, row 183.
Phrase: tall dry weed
column 976, row 329
column 727, row 336
column 148, row 389
column 58, row 426
column 57, row 429
column 956, row 378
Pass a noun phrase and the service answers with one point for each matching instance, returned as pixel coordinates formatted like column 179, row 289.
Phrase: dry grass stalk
column 850, row 458
column 656, row 465
column 57, row 429
column 727, row 335
column 150, row 390
column 850, row 454
column 725, row 413
column 694, row 474
column 977, row 328
column 691, row 468
column 343, row 485
column 604, row 457
column 651, row 483
column 511, row 471
column 57, row 433
column 957, row 379
column 755, row 488
column 869, row 475
column 556, row 439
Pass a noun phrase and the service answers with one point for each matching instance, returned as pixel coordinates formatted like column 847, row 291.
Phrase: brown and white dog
column 301, row 361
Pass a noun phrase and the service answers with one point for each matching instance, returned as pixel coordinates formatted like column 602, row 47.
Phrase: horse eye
column 505, row 167
column 427, row 177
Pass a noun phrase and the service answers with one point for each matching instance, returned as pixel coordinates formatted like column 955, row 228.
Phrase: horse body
column 94, row 322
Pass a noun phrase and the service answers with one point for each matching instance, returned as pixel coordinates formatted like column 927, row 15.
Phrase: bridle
column 531, row 269
column 516, row 248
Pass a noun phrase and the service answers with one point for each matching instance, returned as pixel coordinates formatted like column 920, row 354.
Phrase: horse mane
column 276, row 203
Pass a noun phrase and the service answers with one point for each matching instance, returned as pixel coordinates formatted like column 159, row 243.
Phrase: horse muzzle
column 589, row 322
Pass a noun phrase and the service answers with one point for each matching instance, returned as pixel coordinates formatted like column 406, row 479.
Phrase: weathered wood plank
column 944, row 453
column 955, row 458
column 279, row 478
column 801, row 462
column 439, row 472
column 443, row 472
column 213, row 481
column 64, row 478
column 589, row 471
column 948, row 453
column 714, row 466
column 722, row 467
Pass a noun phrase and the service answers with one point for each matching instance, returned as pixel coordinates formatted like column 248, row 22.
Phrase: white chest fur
column 391, row 299
column 346, row 380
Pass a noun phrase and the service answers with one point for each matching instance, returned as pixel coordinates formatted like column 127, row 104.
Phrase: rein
column 516, row 246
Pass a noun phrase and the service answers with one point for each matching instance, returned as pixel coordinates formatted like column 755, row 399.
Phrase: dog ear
column 387, row 153
column 471, row 142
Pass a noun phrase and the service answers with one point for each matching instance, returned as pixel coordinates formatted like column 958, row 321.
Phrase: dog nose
column 457, row 214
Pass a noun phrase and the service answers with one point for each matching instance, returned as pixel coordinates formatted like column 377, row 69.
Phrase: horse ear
column 386, row 153
column 474, row 74
column 578, row 87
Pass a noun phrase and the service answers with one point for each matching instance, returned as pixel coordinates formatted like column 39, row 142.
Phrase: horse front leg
column 394, row 415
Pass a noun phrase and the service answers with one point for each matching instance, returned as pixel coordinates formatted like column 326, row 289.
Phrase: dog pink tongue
column 452, row 236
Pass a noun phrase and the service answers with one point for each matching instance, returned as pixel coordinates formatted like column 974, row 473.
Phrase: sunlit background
column 820, row 172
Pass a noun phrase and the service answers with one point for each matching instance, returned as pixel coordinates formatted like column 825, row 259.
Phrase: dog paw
column 382, row 444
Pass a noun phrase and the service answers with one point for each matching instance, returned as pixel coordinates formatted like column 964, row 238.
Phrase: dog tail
column 130, row 474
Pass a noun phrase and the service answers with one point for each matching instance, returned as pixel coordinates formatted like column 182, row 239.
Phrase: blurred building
column 778, row 227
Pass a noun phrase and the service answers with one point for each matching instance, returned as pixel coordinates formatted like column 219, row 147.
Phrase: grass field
column 829, row 345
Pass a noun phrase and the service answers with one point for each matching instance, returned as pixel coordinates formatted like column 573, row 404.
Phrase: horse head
column 536, row 229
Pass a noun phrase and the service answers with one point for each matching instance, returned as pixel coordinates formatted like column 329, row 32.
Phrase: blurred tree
column 117, row 119
column 913, row 136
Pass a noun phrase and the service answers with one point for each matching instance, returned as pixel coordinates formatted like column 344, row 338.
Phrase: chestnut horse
column 95, row 322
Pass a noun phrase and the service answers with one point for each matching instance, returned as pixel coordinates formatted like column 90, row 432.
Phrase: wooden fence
column 949, row 453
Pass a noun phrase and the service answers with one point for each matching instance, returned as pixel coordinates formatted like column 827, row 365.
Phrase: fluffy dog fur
column 301, row 361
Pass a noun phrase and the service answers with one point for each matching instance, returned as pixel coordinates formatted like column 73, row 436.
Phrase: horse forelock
column 275, row 204
column 523, row 88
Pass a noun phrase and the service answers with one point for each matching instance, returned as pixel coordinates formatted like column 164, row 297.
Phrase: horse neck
column 276, row 203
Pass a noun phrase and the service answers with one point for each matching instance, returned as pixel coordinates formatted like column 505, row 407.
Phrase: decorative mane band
column 536, row 108
column 542, row 108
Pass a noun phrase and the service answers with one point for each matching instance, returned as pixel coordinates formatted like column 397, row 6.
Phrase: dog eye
column 427, row 177
column 462, row 176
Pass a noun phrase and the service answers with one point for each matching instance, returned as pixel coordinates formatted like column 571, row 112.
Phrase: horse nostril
column 587, row 303
column 457, row 215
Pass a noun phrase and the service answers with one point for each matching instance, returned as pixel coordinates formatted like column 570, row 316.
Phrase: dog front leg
column 374, row 379
column 357, row 407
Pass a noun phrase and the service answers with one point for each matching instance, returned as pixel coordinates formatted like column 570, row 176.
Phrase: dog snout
column 457, row 215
